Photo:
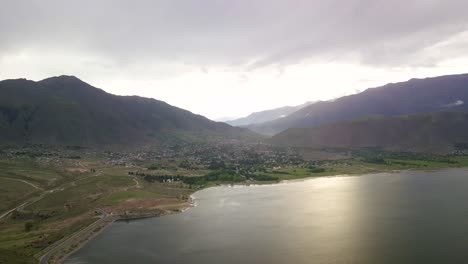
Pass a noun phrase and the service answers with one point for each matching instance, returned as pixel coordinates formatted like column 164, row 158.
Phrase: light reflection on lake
column 408, row 217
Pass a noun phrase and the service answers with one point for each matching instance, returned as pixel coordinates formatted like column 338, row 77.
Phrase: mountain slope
column 436, row 132
column 414, row 96
column 65, row 110
column 267, row 115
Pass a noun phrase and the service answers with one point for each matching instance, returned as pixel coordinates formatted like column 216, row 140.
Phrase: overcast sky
column 233, row 57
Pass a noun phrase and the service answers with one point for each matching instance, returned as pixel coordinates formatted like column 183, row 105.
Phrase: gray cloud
column 246, row 34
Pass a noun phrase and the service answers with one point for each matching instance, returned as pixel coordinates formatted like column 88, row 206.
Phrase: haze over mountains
column 267, row 115
column 417, row 115
column 445, row 93
column 66, row 110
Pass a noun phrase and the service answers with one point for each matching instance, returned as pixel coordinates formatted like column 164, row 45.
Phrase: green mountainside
column 442, row 132
column 65, row 110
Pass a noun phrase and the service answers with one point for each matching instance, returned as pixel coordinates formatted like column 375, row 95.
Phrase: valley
column 54, row 199
column 253, row 132
column 75, row 159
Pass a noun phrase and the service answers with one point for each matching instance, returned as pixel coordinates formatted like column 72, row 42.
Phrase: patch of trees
column 373, row 155
column 374, row 160
column 28, row 226
column 157, row 178
column 217, row 165
column 404, row 163
column 313, row 169
column 162, row 178
column 194, row 180
column 264, row 177
column 185, row 164
column 32, row 215
column 160, row 167
column 226, row 175
column 280, row 172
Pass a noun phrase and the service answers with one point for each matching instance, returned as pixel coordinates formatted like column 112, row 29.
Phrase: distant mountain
column 414, row 96
column 440, row 132
column 66, row 110
column 267, row 115
column 225, row 119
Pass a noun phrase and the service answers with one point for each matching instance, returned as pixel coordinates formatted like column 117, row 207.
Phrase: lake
column 406, row 217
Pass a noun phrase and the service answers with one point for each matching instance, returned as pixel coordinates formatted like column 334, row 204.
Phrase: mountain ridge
column 441, row 132
column 432, row 94
column 267, row 115
column 66, row 110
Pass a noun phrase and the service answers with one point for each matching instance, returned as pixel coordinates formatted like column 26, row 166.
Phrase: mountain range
column 267, row 115
column 418, row 115
column 445, row 93
column 66, row 110
column 441, row 132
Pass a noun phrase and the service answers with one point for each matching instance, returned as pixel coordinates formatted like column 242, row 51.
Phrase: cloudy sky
column 232, row 57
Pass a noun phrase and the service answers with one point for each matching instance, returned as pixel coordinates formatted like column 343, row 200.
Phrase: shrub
column 28, row 226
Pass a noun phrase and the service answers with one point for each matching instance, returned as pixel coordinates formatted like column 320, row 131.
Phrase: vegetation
column 54, row 181
column 423, row 133
column 65, row 201
column 28, row 226
column 313, row 169
column 67, row 111
column 56, row 195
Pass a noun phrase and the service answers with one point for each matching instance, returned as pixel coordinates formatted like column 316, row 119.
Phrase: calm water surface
column 408, row 217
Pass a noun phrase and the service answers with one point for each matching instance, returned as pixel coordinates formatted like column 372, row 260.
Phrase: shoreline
column 81, row 245
column 61, row 244
column 192, row 203
column 44, row 259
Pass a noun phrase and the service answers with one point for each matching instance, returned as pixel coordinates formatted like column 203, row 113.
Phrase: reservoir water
column 406, row 217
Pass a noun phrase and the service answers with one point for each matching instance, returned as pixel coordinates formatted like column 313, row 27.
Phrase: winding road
column 23, row 181
column 30, row 201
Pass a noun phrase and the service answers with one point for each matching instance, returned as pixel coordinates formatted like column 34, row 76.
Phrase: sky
column 233, row 57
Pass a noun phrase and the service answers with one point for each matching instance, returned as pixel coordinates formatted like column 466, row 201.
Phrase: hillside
column 437, row 132
column 414, row 96
column 65, row 110
column 267, row 115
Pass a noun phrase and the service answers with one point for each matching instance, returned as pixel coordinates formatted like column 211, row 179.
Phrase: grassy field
column 356, row 166
column 13, row 192
column 36, row 173
column 69, row 194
